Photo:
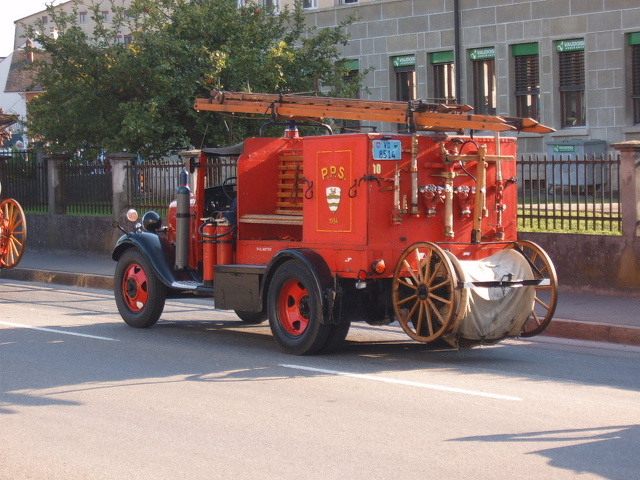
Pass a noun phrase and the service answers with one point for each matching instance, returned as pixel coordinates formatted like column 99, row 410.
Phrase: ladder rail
column 417, row 114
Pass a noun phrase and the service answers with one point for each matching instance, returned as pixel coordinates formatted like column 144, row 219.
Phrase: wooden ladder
column 290, row 185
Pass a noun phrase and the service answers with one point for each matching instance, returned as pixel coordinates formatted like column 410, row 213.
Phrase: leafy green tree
column 6, row 121
column 99, row 93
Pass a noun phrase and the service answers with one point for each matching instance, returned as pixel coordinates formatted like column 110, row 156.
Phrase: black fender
column 159, row 252
column 318, row 267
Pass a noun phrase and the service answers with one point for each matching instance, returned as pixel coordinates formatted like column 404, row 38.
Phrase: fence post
column 55, row 183
column 119, row 162
column 630, row 187
column 628, row 268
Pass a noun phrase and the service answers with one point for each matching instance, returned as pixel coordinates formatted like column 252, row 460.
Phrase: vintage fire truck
column 313, row 232
column 13, row 232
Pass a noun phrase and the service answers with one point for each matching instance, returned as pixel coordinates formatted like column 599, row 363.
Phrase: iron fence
column 86, row 189
column 152, row 185
column 563, row 194
column 572, row 194
column 24, row 180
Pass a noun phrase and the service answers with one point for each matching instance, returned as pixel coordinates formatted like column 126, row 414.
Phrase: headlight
column 151, row 221
column 132, row 215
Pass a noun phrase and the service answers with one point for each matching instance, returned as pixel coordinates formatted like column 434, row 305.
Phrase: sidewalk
column 580, row 316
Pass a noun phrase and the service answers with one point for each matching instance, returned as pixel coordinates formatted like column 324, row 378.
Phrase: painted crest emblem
column 333, row 198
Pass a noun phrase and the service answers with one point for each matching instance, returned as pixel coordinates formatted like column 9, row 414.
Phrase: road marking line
column 405, row 382
column 51, row 330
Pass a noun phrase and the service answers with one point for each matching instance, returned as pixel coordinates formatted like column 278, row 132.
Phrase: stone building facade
column 586, row 54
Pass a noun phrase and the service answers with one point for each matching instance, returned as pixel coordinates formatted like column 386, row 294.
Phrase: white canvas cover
column 493, row 313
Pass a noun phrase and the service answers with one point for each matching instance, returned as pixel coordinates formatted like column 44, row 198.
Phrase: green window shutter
column 524, row 49
column 441, row 57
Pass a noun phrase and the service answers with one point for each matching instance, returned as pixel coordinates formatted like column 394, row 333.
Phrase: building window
column 444, row 77
column 45, row 19
column 572, row 82
column 127, row 39
column 634, row 43
column 404, row 68
column 272, row 3
column 310, row 4
column 346, row 2
column 82, row 17
column 351, row 78
column 484, row 80
column 105, row 16
column 527, row 80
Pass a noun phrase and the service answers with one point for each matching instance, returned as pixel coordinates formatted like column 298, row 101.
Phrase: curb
column 83, row 280
column 596, row 332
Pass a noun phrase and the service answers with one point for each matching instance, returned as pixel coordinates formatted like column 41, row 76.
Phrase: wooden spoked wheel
column 546, row 293
column 424, row 291
column 13, row 233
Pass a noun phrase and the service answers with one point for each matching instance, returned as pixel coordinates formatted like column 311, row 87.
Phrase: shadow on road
column 581, row 450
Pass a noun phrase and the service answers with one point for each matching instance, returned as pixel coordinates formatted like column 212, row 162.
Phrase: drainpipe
column 456, row 52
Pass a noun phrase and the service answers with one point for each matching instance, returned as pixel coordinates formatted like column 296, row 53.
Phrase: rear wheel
column 546, row 293
column 295, row 310
column 337, row 335
column 424, row 292
column 251, row 318
column 139, row 293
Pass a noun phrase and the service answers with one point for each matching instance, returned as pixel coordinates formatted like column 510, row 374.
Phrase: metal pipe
column 183, row 217
column 499, row 205
column 414, row 175
column 457, row 65
column 480, row 207
column 397, row 208
column 448, row 204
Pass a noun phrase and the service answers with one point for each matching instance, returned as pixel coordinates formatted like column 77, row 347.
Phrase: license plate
column 387, row 150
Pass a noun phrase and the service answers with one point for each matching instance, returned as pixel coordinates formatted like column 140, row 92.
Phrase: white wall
column 10, row 102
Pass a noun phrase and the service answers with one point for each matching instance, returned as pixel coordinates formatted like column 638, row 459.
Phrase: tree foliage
column 6, row 121
column 100, row 93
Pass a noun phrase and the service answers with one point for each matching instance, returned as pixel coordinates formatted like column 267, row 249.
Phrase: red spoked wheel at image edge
column 13, row 233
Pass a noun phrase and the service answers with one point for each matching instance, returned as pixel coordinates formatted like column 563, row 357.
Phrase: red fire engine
column 315, row 232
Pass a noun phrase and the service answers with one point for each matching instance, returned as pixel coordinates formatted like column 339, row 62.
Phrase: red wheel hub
column 135, row 288
column 293, row 306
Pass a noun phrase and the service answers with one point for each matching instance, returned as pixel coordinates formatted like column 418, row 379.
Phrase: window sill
column 571, row 132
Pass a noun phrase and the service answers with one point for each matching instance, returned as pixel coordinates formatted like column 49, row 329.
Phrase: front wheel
column 139, row 293
column 295, row 310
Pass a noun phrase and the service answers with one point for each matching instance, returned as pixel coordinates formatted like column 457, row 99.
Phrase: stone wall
column 597, row 264
column 71, row 233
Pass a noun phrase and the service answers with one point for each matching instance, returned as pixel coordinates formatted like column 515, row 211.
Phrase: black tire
column 251, row 318
column 295, row 310
column 139, row 293
column 335, row 339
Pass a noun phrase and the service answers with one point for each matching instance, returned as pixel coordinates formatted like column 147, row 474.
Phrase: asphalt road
column 201, row 395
